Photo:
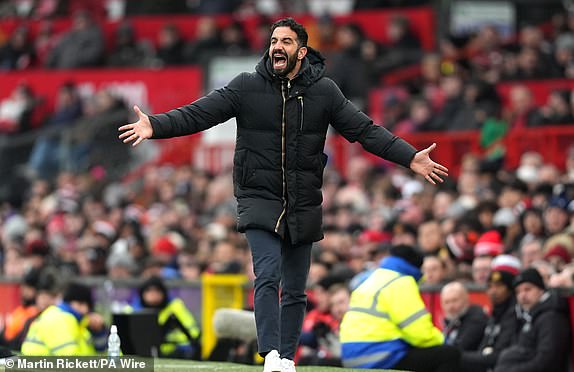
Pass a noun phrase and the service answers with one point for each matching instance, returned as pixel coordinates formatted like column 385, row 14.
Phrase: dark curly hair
column 302, row 36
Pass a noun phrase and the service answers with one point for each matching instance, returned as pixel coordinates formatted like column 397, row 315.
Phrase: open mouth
column 279, row 61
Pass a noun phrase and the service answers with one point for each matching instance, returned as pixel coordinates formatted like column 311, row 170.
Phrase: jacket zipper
column 301, row 101
column 283, row 95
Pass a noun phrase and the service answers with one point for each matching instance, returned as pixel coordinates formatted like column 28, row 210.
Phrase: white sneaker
column 287, row 365
column 272, row 362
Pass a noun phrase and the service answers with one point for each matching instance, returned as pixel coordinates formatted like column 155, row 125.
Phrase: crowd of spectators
column 454, row 89
column 180, row 222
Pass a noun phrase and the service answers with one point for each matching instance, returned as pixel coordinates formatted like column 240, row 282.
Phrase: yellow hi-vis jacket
column 57, row 332
column 176, row 338
column 386, row 317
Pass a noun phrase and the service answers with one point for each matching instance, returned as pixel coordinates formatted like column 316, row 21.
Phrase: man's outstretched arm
column 354, row 125
column 208, row 111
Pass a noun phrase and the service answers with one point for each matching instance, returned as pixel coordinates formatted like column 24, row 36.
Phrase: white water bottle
column 114, row 342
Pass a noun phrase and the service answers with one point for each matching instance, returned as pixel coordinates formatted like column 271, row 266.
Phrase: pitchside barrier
column 216, row 291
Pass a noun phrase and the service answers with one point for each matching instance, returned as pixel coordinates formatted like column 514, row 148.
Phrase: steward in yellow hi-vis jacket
column 67, row 329
column 387, row 324
column 181, row 333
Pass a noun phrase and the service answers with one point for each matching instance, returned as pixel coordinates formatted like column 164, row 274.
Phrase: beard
column 283, row 63
column 27, row 302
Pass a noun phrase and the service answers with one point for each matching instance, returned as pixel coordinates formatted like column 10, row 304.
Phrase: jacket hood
column 154, row 282
column 401, row 266
column 312, row 67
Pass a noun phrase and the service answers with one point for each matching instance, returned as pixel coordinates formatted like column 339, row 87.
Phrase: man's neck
column 291, row 75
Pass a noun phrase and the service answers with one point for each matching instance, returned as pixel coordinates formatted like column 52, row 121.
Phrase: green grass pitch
column 171, row 365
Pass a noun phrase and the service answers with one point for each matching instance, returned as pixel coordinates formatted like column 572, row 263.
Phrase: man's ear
column 302, row 53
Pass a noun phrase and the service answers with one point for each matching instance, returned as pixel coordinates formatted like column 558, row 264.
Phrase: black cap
column 80, row 293
column 408, row 253
column 529, row 275
column 502, row 276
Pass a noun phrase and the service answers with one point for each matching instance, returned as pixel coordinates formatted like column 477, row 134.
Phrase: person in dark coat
column 501, row 326
column 464, row 323
column 543, row 342
column 283, row 111
column 81, row 47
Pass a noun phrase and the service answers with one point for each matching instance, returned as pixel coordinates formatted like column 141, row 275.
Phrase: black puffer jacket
column 543, row 344
column 466, row 332
column 498, row 335
column 281, row 131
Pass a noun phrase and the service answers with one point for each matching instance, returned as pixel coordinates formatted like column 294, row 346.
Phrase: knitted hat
column 80, row 293
column 408, row 253
column 374, row 236
column 506, row 262
column 564, row 240
column 558, row 250
column 559, row 201
column 529, row 275
column 489, row 244
column 503, row 277
column 170, row 244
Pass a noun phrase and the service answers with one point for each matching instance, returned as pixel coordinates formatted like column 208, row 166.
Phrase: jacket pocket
column 239, row 167
column 322, row 164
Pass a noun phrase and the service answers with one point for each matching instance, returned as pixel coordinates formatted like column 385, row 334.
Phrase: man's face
column 284, row 51
column 481, row 269
column 433, row 270
column 430, row 236
column 498, row 292
column 531, row 252
column 454, row 302
column 45, row 299
column 528, row 295
column 153, row 297
column 27, row 294
column 80, row 307
column 339, row 303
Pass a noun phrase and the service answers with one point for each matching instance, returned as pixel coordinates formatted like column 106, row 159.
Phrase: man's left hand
column 424, row 166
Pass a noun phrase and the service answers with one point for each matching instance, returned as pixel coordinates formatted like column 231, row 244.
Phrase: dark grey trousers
column 276, row 261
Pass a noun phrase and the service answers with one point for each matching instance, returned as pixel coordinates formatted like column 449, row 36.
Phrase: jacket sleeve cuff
column 156, row 127
column 401, row 152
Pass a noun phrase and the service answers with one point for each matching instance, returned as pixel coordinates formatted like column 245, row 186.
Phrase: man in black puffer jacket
column 543, row 343
column 283, row 111
column 501, row 327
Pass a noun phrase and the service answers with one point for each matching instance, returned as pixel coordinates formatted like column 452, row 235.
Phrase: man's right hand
column 138, row 131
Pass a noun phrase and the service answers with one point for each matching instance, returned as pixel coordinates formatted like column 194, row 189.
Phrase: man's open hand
column 138, row 131
column 423, row 165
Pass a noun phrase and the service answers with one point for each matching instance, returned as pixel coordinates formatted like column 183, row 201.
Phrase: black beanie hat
column 80, row 293
column 408, row 253
column 529, row 275
column 502, row 276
